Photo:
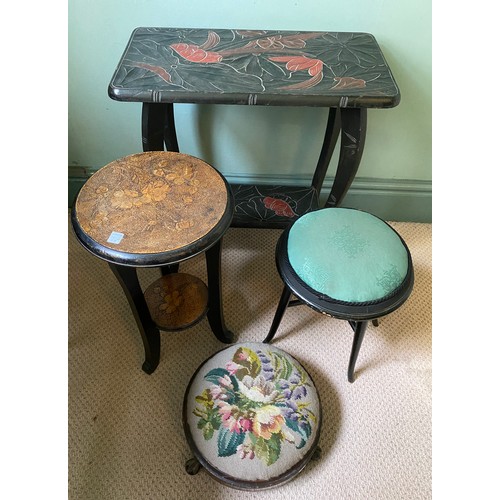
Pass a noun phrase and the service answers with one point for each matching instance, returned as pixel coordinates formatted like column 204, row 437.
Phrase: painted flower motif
column 256, row 403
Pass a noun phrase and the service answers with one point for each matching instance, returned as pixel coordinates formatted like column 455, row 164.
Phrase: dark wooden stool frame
column 124, row 266
column 357, row 314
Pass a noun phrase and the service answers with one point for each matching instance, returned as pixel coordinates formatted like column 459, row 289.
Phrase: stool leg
column 127, row 277
column 215, row 315
column 278, row 315
column 359, row 333
column 170, row 269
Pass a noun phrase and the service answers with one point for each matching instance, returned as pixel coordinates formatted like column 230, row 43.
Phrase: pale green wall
column 242, row 139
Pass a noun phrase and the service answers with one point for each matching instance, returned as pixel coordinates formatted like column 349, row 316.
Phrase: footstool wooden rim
column 237, row 423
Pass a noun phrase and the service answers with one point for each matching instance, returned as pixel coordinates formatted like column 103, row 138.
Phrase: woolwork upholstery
column 252, row 416
column 347, row 254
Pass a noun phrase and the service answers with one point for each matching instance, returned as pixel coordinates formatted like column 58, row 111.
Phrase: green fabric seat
column 252, row 416
column 348, row 255
column 344, row 263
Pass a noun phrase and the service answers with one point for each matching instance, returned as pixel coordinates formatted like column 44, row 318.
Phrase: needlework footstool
column 252, row 417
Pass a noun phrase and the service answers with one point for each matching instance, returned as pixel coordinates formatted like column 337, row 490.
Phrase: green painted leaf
column 228, row 441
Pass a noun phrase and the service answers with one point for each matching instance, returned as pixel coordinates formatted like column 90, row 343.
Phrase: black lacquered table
column 345, row 72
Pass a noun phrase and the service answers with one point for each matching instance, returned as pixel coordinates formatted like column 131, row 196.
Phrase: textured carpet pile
column 125, row 431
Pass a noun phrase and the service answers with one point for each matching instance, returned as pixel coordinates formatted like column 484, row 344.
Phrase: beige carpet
column 125, row 433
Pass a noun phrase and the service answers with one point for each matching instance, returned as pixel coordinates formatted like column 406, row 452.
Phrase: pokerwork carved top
column 151, row 202
column 293, row 68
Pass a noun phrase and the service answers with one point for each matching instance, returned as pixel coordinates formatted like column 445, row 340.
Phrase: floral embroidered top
column 301, row 68
column 252, row 410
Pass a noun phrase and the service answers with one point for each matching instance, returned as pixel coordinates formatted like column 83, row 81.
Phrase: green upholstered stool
column 344, row 263
column 252, row 417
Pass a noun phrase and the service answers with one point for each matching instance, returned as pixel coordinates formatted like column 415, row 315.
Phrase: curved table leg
column 158, row 127
column 351, row 149
column 153, row 124
column 169, row 133
column 127, row 277
column 329, row 142
column 215, row 314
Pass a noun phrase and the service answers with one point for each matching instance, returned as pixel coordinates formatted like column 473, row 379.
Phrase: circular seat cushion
column 252, row 416
column 347, row 254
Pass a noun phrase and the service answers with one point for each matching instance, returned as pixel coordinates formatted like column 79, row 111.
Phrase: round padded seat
column 344, row 263
column 252, row 416
column 348, row 255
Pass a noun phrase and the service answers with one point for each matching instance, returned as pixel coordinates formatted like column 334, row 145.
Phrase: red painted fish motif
column 297, row 63
column 279, row 207
column 195, row 54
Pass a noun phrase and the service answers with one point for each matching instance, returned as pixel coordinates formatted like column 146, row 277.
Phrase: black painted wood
column 344, row 71
column 127, row 277
column 215, row 305
column 351, row 150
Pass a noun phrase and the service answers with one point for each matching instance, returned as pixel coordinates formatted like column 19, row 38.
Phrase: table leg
column 169, row 133
column 330, row 140
column 158, row 127
column 351, row 149
column 153, row 124
column 127, row 277
column 215, row 314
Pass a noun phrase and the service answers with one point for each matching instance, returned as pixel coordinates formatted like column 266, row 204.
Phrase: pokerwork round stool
column 344, row 263
column 156, row 209
column 252, row 417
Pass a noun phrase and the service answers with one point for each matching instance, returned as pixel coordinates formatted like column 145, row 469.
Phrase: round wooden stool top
column 152, row 208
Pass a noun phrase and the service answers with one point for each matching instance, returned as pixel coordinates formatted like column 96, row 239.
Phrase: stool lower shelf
column 177, row 301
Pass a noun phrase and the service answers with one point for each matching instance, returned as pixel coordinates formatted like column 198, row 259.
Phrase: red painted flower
column 279, row 207
column 193, row 53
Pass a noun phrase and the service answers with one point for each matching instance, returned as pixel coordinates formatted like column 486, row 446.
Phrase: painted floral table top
column 292, row 68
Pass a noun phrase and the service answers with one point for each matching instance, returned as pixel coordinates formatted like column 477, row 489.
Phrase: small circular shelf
column 177, row 301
